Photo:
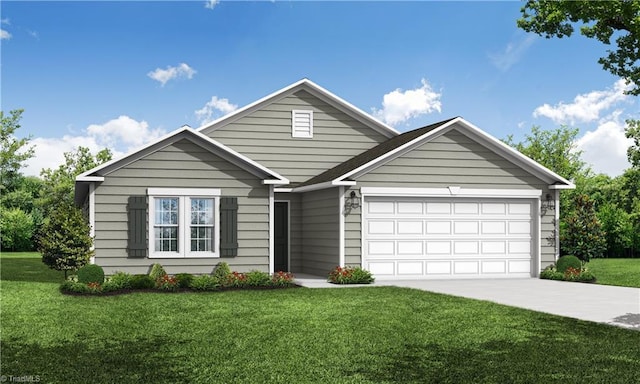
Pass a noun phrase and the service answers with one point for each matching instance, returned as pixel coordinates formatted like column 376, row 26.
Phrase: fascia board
column 325, row 185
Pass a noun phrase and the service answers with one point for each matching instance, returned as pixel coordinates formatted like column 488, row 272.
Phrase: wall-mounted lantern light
column 352, row 201
column 547, row 205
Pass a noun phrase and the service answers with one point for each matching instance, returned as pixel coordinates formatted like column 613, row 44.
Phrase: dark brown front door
column 281, row 236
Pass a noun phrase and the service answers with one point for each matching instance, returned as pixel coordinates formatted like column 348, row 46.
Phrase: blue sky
column 119, row 74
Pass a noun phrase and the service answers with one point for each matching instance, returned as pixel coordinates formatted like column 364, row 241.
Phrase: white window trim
column 301, row 135
column 184, row 195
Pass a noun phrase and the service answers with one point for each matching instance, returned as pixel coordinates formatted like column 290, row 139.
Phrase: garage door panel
column 494, row 208
column 519, row 266
column 523, row 247
column 438, row 227
column 410, row 208
column 519, row 227
column 455, row 237
column 381, row 227
column 465, row 247
column 465, row 227
column 438, row 247
column 382, row 268
column 499, row 266
column 381, row 247
column 465, row 267
column 494, row 228
column 466, row 208
column 410, row 268
column 438, row 268
column 438, row 208
column 410, row 248
column 519, row 209
column 410, row 227
column 494, row 247
column 381, row 207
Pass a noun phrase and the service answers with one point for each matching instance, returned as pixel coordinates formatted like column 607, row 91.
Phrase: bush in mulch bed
column 222, row 279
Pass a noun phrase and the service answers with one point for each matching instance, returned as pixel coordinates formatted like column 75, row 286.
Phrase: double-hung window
column 183, row 222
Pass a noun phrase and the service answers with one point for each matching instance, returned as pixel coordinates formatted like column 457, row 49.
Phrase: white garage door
column 448, row 237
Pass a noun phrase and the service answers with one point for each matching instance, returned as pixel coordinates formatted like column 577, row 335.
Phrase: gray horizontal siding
column 320, row 227
column 422, row 168
column 182, row 165
column 265, row 136
column 451, row 159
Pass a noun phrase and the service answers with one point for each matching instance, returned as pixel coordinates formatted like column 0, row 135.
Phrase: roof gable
column 397, row 146
column 185, row 133
column 374, row 154
column 313, row 89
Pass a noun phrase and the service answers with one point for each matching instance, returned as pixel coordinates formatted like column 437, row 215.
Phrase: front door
column 281, row 236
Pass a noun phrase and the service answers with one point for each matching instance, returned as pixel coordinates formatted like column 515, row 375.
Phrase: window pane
column 166, row 211
column 201, row 239
column 202, row 211
column 166, row 239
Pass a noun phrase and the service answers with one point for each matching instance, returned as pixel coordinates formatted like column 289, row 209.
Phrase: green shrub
column 205, row 283
column 221, row 271
column 235, row 279
column 142, row 282
column 350, row 275
column 550, row 273
column 91, row 273
column 581, row 274
column 110, row 286
column 565, row 262
column 73, row 287
column 257, row 279
column 184, row 280
column 120, row 280
column 157, row 272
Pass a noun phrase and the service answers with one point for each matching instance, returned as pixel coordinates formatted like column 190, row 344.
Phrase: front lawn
column 352, row 335
column 622, row 272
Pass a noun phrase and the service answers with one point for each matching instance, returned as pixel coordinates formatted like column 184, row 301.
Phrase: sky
column 121, row 74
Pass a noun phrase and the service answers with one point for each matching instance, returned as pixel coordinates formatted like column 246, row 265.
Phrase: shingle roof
column 371, row 154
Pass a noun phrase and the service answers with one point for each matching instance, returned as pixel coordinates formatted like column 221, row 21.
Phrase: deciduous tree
column 13, row 151
column 601, row 20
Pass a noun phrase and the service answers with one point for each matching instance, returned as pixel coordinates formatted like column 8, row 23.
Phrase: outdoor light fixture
column 547, row 205
column 352, row 202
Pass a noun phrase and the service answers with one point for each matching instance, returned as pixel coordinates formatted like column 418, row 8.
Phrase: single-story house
column 303, row 181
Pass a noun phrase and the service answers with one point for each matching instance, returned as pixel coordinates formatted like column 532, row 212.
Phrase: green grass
column 339, row 335
column 622, row 272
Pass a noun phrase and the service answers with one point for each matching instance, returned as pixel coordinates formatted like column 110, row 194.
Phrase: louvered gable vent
column 302, row 124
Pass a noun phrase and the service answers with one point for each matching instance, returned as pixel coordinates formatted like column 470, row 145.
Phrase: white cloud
column 210, row 4
column 605, row 148
column 120, row 135
column 163, row 75
column 213, row 109
column 399, row 106
column 512, row 53
column 4, row 35
column 123, row 131
column 585, row 107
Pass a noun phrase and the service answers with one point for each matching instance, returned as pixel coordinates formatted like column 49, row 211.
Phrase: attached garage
column 451, row 236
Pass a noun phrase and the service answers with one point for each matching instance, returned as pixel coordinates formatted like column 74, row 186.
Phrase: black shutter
column 137, row 225
column 228, row 226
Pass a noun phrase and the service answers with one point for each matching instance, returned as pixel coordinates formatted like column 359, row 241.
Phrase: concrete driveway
column 600, row 303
